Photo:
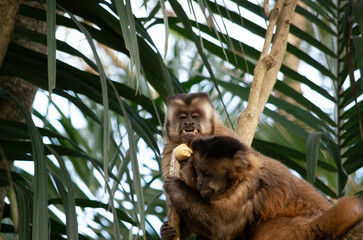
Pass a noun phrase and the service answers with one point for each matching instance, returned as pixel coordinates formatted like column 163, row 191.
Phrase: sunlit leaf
column 40, row 208
column 312, row 150
column 51, row 44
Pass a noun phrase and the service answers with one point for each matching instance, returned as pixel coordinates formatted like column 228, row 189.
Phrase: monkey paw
column 182, row 152
column 167, row 232
column 172, row 184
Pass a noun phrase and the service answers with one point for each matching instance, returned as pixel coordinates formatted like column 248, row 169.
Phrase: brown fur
column 242, row 194
column 207, row 122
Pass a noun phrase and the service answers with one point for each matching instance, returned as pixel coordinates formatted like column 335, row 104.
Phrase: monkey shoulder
column 222, row 130
column 168, row 148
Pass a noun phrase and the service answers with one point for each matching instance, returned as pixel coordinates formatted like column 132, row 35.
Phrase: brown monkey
column 188, row 116
column 241, row 193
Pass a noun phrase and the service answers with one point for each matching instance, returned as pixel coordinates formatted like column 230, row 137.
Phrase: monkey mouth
column 192, row 131
column 207, row 194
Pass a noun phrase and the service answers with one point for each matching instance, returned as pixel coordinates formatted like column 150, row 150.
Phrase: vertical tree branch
column 173, row 216
column 267, row 68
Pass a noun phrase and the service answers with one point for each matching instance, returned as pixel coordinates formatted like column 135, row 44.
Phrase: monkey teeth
column 194, row 131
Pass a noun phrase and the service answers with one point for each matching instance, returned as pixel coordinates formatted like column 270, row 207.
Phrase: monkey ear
column 240, row 162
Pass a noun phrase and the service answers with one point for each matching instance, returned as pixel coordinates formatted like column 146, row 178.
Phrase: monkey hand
column 182, row 152
column 171, row 184
column 178, row 193
column 167, row 232
column 187, row 173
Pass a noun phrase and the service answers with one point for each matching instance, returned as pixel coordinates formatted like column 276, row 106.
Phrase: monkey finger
column 171, row 183
column 167, row 232
column 169, row 180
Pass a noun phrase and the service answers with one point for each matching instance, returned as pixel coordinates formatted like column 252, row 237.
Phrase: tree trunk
column 22, row 90
column 356, row 233
column 267, row 67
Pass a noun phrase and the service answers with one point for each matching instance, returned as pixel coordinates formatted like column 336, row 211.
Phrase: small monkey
column 188, row 116
column 241, row 194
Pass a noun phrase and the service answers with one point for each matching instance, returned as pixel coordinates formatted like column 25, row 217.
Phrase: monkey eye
column 182, row 116
column 206, row 174
column 195, row 116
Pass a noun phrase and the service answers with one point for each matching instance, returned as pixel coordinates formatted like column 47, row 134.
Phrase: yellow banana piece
column 182, row 152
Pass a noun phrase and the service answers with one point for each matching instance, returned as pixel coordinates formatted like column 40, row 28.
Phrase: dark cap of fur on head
column 187, row 97
column 217, row 146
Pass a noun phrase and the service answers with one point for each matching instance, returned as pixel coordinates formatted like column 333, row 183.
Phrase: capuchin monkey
column 188, row 116
column 241, row 194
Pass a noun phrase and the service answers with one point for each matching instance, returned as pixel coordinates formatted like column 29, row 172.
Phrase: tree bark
column 173, row 216
column 267, row 68
column 356, row 233
column 8, row 11
column 23, row 90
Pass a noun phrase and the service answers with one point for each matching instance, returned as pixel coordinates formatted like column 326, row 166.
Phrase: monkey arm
column 182, row 196
column 188, row 174
column 191, row 206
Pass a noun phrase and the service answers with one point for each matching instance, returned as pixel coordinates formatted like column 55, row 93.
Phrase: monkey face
column 219, row 162
column 212, row 180
column 188, row 116
column 189, row 123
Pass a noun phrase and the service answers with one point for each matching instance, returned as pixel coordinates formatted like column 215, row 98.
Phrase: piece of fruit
column 182, row 152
